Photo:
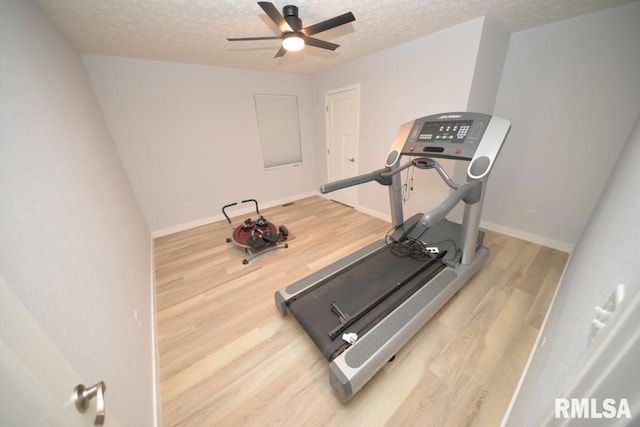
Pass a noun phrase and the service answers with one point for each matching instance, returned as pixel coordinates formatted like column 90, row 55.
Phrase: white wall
column 492, row 51
column 425, row 76
column 606, row 255
column 585, row 71
column 188, row 136
column 571, row 90
column 74, row 246
column 181, row 128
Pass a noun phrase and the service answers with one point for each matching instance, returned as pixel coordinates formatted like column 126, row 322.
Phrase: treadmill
column 361, row 309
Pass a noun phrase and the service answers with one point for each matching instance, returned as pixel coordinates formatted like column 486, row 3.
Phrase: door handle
column 352, row 159
column 83, row 395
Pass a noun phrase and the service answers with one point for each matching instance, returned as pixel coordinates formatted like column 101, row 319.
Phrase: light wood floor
column 228, row 358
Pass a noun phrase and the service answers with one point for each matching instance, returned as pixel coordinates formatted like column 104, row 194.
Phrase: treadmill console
column 449, row 135
column 456, row 135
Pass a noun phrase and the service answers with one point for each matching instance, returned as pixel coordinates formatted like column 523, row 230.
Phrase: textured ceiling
column 195, row 31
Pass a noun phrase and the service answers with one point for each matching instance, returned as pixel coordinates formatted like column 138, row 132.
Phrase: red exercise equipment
column 256, row 237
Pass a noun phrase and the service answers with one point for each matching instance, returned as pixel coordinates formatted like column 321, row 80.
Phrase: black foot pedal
column 283, row 232
column 269, row 237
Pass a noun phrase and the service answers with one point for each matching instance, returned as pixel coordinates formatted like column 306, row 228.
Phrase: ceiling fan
column 294, row 36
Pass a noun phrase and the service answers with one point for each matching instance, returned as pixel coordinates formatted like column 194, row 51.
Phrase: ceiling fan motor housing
column 290, row 14
column 290, row 10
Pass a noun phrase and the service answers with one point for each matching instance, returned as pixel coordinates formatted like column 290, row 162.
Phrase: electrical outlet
column 188, row 208
column 528, row 215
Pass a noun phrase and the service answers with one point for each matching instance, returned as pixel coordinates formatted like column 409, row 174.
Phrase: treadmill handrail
column 445, row 177
column 377, row 175
column 469, row 192
column 390, row 172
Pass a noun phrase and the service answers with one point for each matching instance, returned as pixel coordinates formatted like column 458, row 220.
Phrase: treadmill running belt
column 354, row 289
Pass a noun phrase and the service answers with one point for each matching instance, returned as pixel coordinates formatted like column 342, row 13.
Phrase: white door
column 36, row 381
column 343, row 134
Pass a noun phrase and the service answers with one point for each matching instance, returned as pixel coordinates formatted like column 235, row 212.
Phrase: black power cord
column 407, row 247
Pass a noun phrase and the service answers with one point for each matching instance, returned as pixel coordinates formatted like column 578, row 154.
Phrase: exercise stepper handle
column 255, row 202
column 225, row 214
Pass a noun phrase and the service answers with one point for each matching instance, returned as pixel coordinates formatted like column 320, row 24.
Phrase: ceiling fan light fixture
column 293, row 35
column 292, row 42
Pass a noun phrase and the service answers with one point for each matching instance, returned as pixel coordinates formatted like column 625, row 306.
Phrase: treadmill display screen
column 445, row 131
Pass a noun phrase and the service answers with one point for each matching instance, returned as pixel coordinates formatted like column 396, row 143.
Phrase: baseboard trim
column 155, row 361
column 235, row 212
column 373, row 213
column 530, row 237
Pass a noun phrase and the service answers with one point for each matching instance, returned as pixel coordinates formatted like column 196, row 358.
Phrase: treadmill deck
column 368, row 288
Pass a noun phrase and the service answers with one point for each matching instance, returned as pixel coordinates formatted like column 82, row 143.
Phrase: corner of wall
column 492, row 53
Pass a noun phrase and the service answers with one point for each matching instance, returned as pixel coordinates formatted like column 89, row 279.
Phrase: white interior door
column 36, row 381
column 343, row 135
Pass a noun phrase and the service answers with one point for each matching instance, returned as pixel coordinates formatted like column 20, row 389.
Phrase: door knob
column 352, row 159
column 83, row 395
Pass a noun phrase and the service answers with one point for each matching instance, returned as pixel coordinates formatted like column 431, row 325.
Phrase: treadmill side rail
column 351, row 370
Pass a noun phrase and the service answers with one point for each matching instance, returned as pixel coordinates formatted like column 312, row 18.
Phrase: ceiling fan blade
column 345, row 18
column 275, row 16
column 239, row 39
column 280, row 52
column 310, row 41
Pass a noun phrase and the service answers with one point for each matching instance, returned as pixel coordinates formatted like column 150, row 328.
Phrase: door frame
column 329, row 155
